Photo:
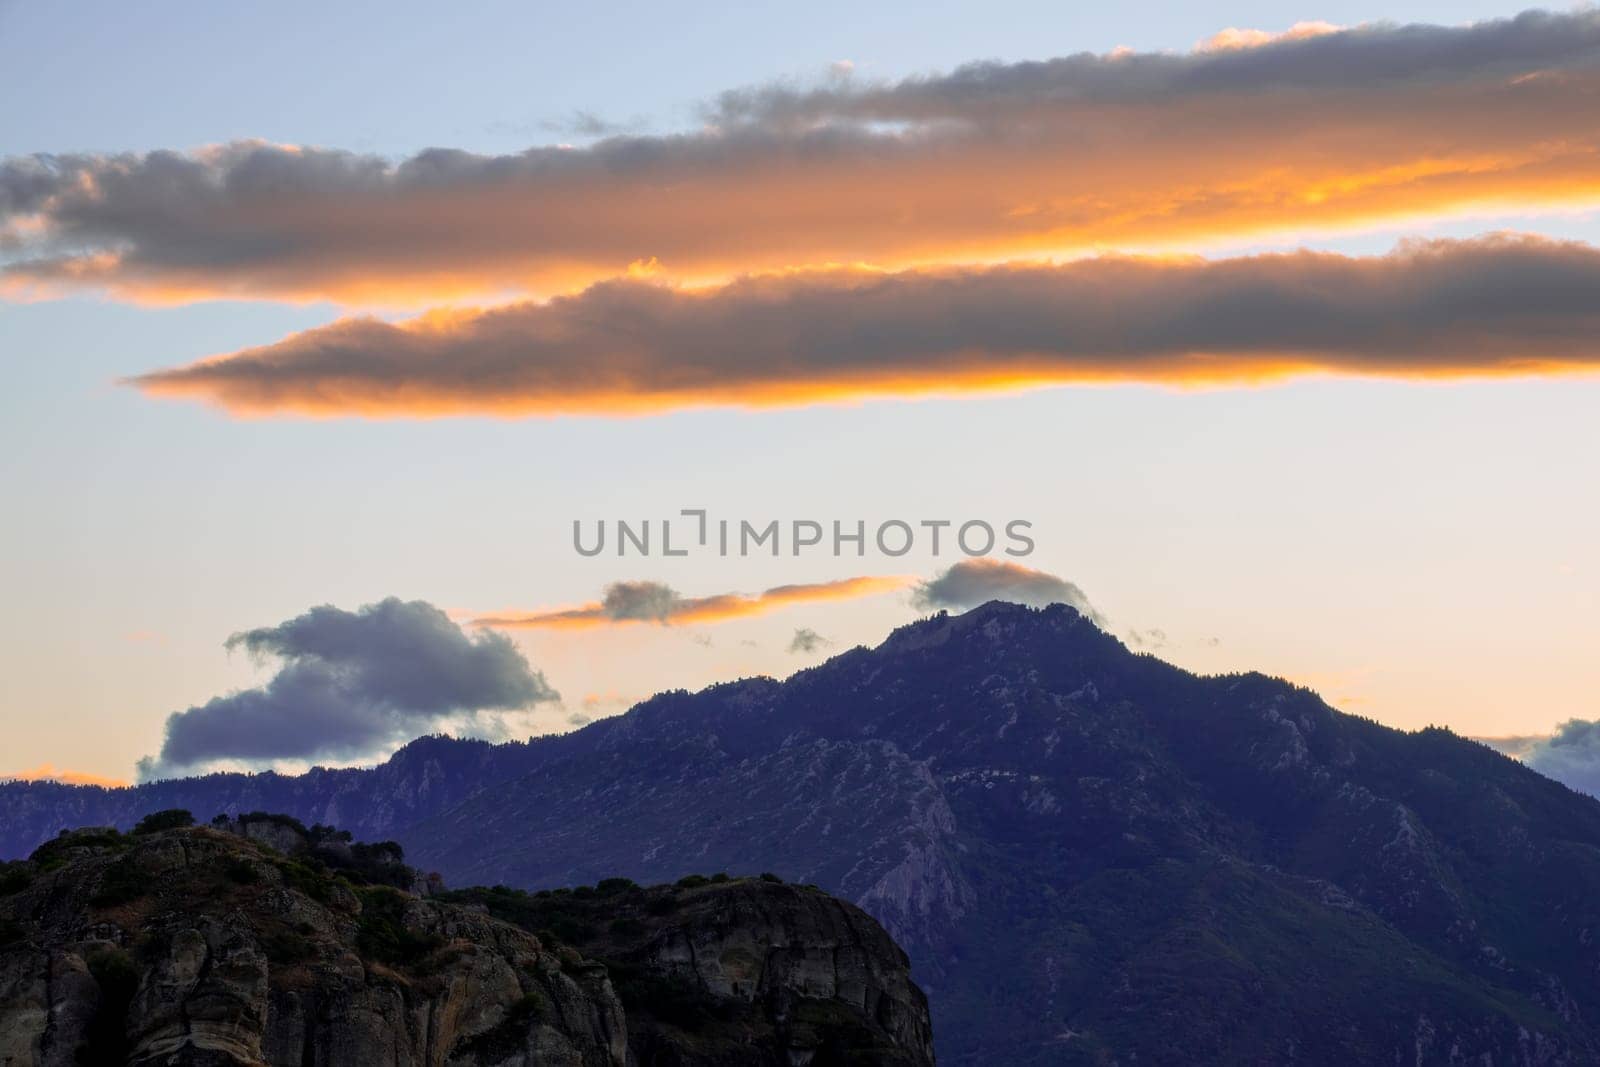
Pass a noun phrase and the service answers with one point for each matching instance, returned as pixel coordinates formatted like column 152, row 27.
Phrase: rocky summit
column 1090, row 856
column 259, row 942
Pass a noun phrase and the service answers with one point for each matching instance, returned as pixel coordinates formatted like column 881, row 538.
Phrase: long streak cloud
column 1495, row 306
column 635, row 602
column 1314, row 130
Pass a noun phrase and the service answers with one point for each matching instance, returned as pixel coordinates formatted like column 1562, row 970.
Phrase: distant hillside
column 1090, row 855
column 256, row 942
column 422, row 778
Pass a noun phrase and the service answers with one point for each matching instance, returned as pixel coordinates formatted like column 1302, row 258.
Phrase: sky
column 1289, row 369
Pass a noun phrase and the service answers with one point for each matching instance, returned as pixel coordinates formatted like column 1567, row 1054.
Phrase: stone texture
column 207, row 947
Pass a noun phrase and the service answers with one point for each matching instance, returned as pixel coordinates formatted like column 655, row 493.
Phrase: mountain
column 1091, row 856
column 419, row 780
column 257, row 943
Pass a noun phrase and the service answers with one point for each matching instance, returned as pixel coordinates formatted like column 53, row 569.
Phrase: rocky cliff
column 785, row 972
column 253, row 942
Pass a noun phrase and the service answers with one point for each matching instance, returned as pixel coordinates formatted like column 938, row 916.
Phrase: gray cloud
column 1571, row 755
column 351, row 683
column 1491, row 306
column 589, row 125
column 976, row 581
column 1365, row 57
column 1040, row 158
column 808, row 641
column 1154, row 638
column 639, row 601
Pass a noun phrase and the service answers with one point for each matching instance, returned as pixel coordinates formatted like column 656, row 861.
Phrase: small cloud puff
column 807, row 640
column 976, row 581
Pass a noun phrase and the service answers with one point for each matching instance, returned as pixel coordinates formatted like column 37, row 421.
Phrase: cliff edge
column 256, row 941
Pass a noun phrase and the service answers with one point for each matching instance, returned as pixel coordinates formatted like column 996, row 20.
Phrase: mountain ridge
column 1070, row 839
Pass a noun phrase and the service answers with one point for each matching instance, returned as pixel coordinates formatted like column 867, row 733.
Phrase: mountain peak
column 995, row 620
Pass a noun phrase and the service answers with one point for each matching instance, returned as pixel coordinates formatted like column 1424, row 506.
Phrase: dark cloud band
column 1376, row 124
column 1488, row 307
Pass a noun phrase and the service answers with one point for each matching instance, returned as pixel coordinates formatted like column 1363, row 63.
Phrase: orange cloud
column 1495, row 306
column 51, row 773
column 1314, row 130
column 634, row 602
column 1233, row 37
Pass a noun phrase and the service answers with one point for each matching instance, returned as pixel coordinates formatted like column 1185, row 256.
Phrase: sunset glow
column 1497, row 307
column 1314, row 131
column 48, row 772
column 710, row 609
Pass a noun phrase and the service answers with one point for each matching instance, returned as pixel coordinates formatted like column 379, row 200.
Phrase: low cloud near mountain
column 1570, row 755
column 807, row 640
column 975, row 581
column 350, row 684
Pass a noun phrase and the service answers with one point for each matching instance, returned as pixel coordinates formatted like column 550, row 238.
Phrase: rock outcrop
column 209, row 947
column 787, row 973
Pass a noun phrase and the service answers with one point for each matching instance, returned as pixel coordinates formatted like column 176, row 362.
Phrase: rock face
column 1090, row 856
column 203, row 947
column 782, row 947
column 788, row 974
